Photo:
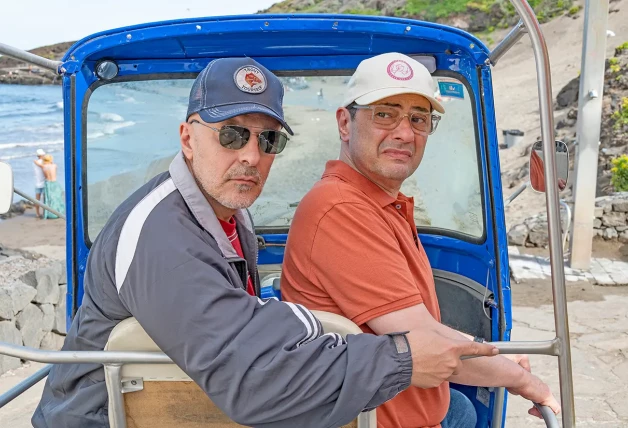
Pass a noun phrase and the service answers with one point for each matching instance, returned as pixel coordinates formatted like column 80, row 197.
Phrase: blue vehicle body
column 290, row 43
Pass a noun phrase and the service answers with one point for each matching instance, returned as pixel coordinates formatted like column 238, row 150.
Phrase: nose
column 250, row 153
column 403, row 132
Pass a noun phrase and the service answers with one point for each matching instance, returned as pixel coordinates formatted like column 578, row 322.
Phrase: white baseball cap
column 390, row 74
column 40, row 152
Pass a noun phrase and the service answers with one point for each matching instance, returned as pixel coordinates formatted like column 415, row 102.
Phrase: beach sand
column 26, row 232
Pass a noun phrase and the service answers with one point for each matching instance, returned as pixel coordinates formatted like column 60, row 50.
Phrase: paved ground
column 603, row 271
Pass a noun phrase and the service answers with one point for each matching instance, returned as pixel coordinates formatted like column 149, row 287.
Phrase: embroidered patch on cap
column 400, row 70
column 250, row 79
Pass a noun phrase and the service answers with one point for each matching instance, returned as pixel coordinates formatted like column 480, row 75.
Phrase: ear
column 186, row 140
column 343, row 117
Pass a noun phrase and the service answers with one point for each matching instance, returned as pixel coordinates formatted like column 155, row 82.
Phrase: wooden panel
column 176, row 404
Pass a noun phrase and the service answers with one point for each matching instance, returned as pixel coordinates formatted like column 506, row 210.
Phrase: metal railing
column 114, row 360
column 560, row 345
column 30, row 58
column 23, row 386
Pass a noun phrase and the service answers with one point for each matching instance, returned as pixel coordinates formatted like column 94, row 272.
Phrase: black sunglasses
column 235, row 137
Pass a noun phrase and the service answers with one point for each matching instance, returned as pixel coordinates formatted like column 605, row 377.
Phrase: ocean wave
column 31, row 144
column 112, row 128
column 111, row 117
column 59, row 105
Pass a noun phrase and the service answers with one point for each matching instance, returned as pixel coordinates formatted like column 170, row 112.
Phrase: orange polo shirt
column 353, row 250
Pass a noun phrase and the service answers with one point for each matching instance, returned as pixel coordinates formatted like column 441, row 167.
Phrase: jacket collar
column 201, row 209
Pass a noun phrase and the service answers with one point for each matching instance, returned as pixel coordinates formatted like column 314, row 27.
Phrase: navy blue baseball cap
column 230, row 87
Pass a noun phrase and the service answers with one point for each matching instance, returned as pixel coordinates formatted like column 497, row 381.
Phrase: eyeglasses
column 235, row 137
column 389, row 117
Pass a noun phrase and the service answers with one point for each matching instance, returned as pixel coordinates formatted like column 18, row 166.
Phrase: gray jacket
column 164, row 259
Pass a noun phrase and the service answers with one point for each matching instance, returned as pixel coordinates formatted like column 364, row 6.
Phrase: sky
column 28, row 24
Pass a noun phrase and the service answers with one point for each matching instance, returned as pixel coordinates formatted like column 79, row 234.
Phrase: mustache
column 397, row 146
column 244, row 171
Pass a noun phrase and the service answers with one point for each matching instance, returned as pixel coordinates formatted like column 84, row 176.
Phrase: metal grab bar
column 23, row 386
column 80, row 357
column 548, row 416
column 544, row 80
column 31, row 58
column 115, row 359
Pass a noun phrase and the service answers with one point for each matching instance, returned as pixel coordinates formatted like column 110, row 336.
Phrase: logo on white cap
column 400, row 70
column 250, row 79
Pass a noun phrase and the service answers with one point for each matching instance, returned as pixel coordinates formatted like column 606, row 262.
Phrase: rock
column 613, row 219
column 52, row 342
column 17, row 208
column 573, row 113
column 597, row 223
column 598, row 212
column 48, row 320
column 539, row 235
column 59, row 268
column 47, row 286
column 623, row 238
column 60, row 323
column 569, row 94
column 621, row 228
column 518, row 235
column 598, row 232
column 13, row 298
column 29, row 323
column 610, row 233
column 9, row 334
column 620, row 206
column 29, row 279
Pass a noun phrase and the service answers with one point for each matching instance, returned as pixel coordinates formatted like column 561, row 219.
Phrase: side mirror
column 6, row 187
column 537, row 161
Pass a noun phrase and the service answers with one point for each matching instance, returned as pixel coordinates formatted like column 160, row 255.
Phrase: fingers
column 475, row 349
column 553, row 404
column 534, row 412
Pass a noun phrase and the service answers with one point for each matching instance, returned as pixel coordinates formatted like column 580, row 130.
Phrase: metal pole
column 516, row 194
column 36, row 202
column 588, row 130
column 30, row 58
column 553, row 213
column 78, row 357
column 117, row 413
column 509, row 41
column 18, row 389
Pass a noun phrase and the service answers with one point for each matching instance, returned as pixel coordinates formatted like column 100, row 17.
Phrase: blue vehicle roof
column 275, row 36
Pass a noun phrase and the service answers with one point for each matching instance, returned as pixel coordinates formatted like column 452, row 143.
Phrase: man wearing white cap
column 353, row 247
column 40, row 180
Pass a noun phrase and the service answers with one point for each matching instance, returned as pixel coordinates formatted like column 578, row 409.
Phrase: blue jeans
column 461, row 413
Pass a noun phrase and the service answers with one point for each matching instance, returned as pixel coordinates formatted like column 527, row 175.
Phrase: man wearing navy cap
column 180, row 255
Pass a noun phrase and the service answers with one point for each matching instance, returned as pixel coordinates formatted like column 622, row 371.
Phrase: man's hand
column 520, row 359
column 436, row 357
column 537, row 391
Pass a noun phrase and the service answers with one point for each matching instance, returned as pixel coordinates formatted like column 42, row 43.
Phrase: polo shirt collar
column 340, row 169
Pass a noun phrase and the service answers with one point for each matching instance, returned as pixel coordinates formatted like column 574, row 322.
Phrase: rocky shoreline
column 28, row 76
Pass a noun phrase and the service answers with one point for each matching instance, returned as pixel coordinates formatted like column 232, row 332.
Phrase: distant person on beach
column 53, row 194
column 40, row 179
column 180, row 255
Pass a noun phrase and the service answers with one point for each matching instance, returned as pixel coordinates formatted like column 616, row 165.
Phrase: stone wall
column 610, row 223
column 32, row 307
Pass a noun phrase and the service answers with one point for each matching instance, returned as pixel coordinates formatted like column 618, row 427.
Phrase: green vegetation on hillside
column 477, row 15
